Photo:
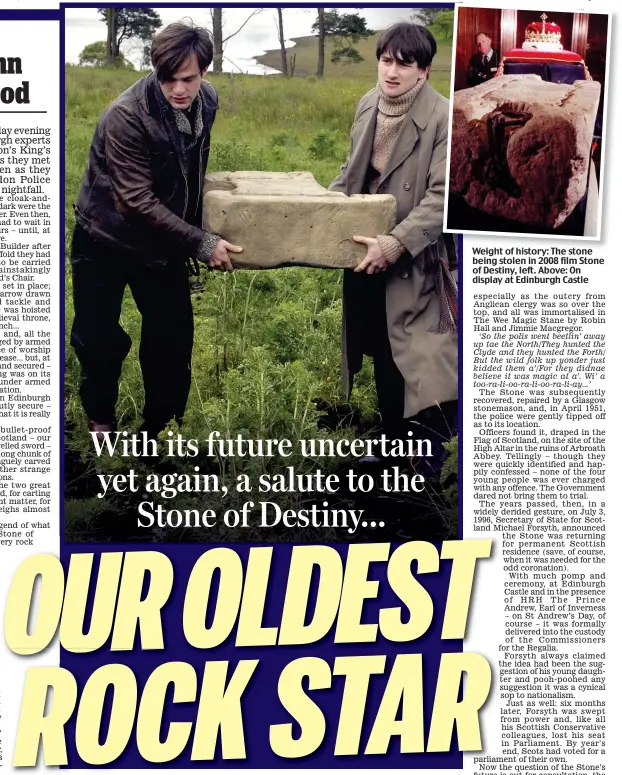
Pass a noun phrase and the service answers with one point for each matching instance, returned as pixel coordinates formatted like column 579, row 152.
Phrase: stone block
column 520, row 147
column 289, row 219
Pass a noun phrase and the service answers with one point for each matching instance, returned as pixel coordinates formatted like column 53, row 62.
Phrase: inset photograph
column 528, row 103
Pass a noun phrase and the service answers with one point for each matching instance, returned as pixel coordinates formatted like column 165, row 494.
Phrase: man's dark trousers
column 161, row 291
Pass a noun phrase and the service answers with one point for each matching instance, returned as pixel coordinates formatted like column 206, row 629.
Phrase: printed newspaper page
column 30, row 293
column 308, row 413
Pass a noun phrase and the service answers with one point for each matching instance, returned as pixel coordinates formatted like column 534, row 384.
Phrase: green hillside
column 306, row 58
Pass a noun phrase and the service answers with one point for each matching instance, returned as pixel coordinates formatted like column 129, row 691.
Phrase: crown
column 543, row 32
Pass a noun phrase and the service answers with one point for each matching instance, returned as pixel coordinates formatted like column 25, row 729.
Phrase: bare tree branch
column 122, row 36
column 241, row 27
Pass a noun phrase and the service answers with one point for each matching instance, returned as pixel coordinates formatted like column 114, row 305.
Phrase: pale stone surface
column 289, row 219
column 520, row 147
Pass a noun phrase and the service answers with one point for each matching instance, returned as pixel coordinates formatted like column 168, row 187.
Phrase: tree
column 321, row 32
column 216, row 14
column 96, row 55
column 444, row 22
column 126, row 23
column 219, row 39
column 111, row 24
column 145, row 56
column 427, row 15
column 279, row 12
column 346, row 30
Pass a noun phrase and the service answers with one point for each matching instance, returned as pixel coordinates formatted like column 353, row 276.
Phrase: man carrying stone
column 400, row 303
column 138, row 217
column 484, row 63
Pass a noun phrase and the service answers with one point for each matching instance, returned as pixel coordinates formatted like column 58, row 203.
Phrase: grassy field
column 266, row 359
column 306, row 58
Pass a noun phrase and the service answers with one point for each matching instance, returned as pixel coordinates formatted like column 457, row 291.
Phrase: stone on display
column 521, row 146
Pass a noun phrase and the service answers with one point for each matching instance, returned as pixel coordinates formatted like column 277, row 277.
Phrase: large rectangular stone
column 289, row 219
column 520, row 147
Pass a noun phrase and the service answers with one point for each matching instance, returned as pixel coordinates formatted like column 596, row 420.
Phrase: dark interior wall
column 565, row 21
column 470, row 22
column 596, row 54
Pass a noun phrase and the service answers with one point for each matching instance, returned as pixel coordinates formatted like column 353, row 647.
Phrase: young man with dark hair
column 138, row 223
column 400, row 303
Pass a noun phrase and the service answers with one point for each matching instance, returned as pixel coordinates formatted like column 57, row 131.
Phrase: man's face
column 484, row 44
column 396, row 79
column 184, row 86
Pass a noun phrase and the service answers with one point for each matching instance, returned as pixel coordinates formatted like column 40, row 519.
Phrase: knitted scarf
column 190, row 135
column 177, row 118
column 447, row 291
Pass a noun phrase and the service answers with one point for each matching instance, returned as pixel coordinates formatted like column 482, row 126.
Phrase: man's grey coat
column 415, row 176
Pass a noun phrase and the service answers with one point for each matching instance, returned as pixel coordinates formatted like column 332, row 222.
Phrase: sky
column 83, row 26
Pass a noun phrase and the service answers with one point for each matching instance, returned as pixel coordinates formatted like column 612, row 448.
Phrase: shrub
column 324, row 145
column 284, row 139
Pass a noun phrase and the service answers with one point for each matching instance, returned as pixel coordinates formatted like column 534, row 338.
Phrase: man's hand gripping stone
column 220, row 257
